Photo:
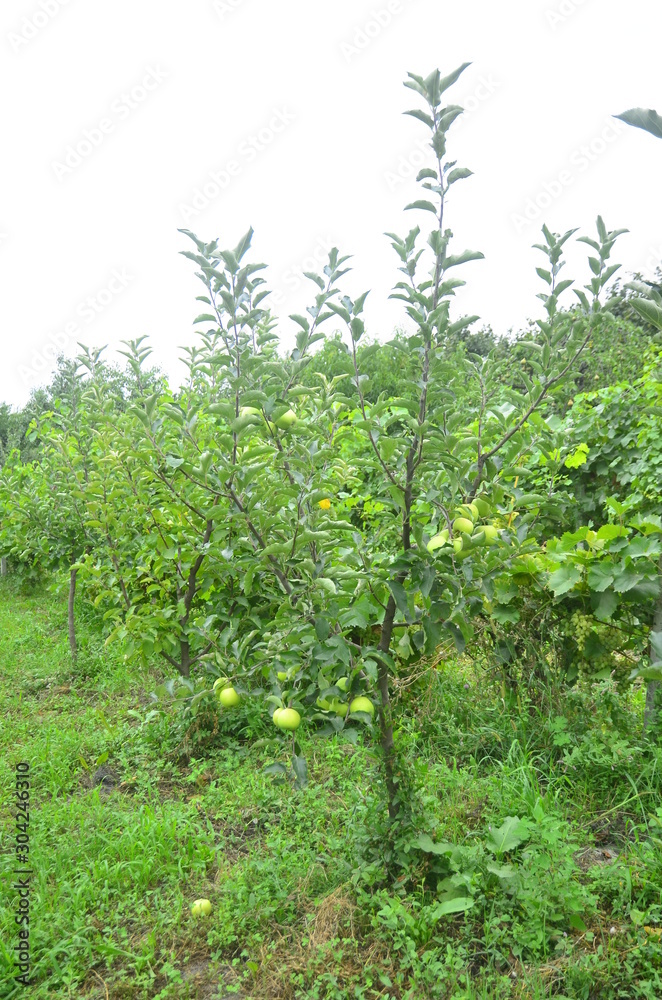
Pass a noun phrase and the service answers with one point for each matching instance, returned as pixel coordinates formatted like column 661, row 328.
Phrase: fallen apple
column 362, row 704
column 287, row 718
column 201, row 908
column 228, row 697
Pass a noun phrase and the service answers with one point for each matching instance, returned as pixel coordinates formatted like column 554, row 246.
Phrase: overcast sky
column 123, row 121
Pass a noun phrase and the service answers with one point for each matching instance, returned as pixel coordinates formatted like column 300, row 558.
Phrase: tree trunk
column 185, row 658
column 3, row 566
column 650, row 712
column 385, row 719
column 70, row 614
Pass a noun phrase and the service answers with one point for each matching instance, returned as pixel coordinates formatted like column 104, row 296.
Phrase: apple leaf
column 644, row 118
column 275, row 768
column 300, row 771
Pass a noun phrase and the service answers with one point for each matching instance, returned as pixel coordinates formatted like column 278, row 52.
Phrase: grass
column 132, row 820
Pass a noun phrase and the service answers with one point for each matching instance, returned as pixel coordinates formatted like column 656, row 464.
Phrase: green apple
column 201, row 908
column 286, row 420
column 362, row 704
column 339, row 707
column 221, row 682
column 463, row 524
column 249, row 411
column 479, row 538
column 228, row 697
column 438, row 541
column 467, row 510
column 457, row 545
column 484, row 509
column 491, row 533
column 342, row 683
column 287, row 718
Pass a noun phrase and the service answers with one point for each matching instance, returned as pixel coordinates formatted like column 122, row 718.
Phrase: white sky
column 545, row 77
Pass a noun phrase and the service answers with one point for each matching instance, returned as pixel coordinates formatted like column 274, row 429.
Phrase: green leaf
column 426, row 206
column 502, row 613
column 651, row 673
column 626, row 579
column 243, row 244
column 564, row 579
column 604, row 605
column 399, row 596
column 448, row 81
column 425, row 843
column 578, row 458
column 463, row 258
column 275, row 768
column 300, row 771
column 512, row 832
column 457, row 905
column 458, row 174
column 322, row 629
column 426, row 119
column 601, row 575
column 611, row 531
column 649, row 310
column 644, row 118
column 458, row 636
column 501, row 871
